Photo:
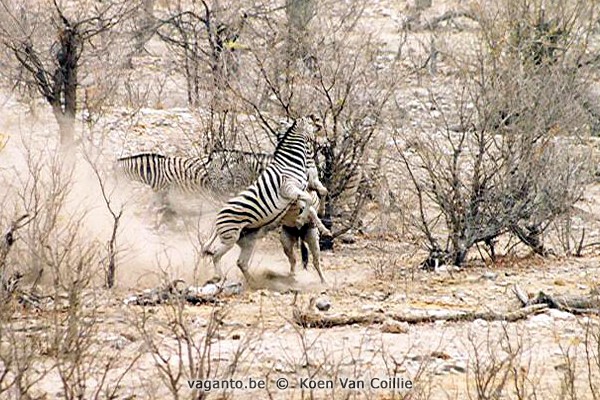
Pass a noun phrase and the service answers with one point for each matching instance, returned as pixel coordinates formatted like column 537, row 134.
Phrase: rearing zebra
column 261, row 206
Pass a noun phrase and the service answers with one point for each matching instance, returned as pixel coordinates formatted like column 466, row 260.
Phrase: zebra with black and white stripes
column 259, row 208
column 163, row 173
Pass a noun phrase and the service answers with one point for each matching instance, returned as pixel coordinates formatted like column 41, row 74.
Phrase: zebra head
column 308, row 126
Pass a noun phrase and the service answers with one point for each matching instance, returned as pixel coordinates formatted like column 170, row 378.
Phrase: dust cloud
column 150, row 248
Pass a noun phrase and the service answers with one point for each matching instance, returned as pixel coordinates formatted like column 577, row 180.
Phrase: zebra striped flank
column 163, row 173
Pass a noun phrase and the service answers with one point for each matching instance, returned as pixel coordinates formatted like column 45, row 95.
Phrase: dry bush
column 580, row 363
column 62, row 266
column 592, row 356
column 505, row 157
column 182, row 354
column 500, row 365
column 332, row 70
column 49, row 49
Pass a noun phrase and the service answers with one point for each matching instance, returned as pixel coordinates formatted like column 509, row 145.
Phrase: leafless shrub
column 506, row 159
column 183, row 356
column 500, row 364
column 55, row 252
column 489, row 368
column 50, row 63
column 569, row 369
column 203, row 35
column 397, row 366
column 592, row 355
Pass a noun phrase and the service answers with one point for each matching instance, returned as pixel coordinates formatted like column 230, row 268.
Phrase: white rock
column 323, row 304
column 480, row 323
column 541, row 320
column 489, row 275
column 209, row 290
column 563, row 315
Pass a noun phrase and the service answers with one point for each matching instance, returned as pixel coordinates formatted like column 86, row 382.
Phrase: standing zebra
column 260, row 207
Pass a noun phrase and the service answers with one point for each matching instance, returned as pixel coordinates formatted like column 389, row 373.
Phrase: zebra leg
column 216, row 257
column 247, row 244
column 315, row 183
column 291, row 191
column 165, row 212
column 288, row 242
column 304, row 254
column 312, row 239
column 314, row 218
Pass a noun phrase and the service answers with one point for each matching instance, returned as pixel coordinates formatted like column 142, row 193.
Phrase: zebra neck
column 291, row 153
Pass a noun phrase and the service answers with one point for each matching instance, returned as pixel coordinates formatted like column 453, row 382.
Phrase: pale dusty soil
column 256, row 326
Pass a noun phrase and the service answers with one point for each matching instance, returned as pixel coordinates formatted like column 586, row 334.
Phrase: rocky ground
column 152, row 350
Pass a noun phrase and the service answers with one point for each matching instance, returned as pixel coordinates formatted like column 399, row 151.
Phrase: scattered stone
column 542, row 320
column 233, row 289
column 560, row 282
column 480, row 323
column 209, row 290
column 348, row 239
column 391, row 326
column 460, row 295
column 323, row 304
column 489, row 275
column 130, row 300
column 209, row 293
column 441, row 355
column 457, row 367
column 562, row 315
column 116, row 341
column 446, row 268
column 371, row 308
column 283, row 368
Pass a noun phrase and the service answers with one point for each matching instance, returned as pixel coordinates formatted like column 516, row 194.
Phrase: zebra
column 258, row 209
column 308, row 235
column 163, row 173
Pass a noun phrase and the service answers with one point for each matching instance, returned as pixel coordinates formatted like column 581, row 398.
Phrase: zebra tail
column 304, row 253
column 206, row 248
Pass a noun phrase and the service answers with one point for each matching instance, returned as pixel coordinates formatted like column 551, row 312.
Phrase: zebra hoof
column 214, row 280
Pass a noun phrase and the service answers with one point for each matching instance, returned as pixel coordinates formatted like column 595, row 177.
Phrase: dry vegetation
column 459, row 150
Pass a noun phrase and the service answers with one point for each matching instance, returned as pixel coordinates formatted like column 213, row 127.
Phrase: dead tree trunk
column 58, row 84
column 326, row 242
column 299, row 14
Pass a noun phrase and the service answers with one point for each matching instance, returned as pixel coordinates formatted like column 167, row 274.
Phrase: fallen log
column 311, row 319
column 570, row 304
column 466, row 316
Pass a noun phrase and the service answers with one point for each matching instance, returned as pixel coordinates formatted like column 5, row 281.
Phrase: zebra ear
column 285, row 125
column 317, row 121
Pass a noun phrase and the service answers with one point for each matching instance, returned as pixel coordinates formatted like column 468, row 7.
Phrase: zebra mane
column 281, row 137
column 139, row 155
